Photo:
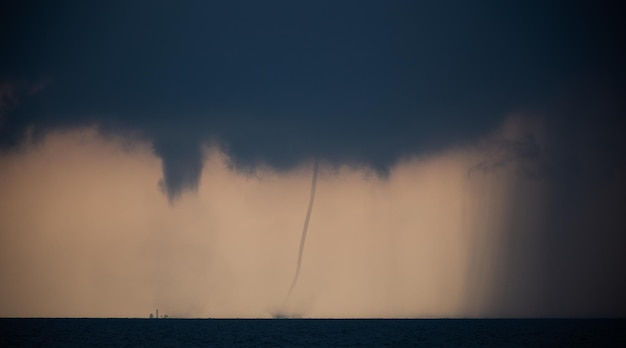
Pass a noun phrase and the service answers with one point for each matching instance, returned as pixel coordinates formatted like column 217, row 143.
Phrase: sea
column 312, row 332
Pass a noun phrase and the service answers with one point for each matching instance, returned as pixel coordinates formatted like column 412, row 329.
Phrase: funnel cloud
column 306, row 226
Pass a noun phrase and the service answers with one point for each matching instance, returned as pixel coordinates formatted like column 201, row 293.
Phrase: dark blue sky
column 280, row 82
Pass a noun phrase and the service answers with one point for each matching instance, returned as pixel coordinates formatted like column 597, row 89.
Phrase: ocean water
column 313, row 332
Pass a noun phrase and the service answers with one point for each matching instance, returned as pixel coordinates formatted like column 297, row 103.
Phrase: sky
column 159, row 154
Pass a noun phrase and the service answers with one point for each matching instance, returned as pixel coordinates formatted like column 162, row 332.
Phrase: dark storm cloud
column 282, row 82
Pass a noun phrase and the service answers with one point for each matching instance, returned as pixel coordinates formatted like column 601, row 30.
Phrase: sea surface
column 312, row 332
